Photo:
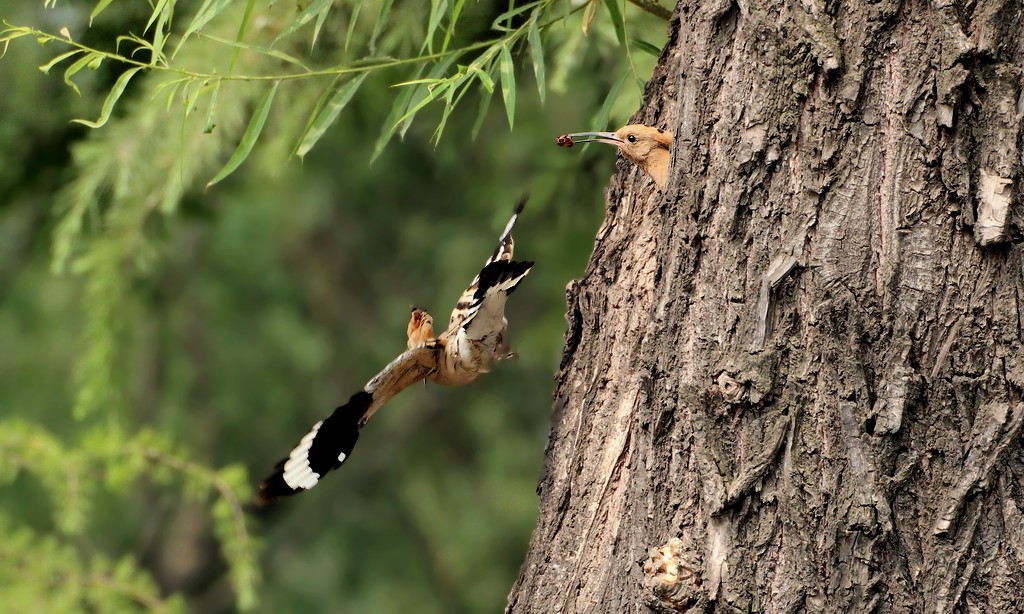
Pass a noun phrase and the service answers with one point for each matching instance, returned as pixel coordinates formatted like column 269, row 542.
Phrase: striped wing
column 485, row 315
column 326, row 446
column 502, row 253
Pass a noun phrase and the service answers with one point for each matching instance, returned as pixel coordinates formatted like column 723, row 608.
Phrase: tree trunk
column 792, row 380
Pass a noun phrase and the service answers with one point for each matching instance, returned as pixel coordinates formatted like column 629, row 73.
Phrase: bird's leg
column 501, row 350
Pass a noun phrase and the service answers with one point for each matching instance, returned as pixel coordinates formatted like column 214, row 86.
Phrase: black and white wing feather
column 502, row 253
column 326, row 446
column 485, row 316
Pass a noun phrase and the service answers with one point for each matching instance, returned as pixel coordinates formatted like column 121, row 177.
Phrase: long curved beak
column 608, row 138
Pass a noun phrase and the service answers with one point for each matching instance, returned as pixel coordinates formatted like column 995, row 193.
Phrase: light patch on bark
column 780, row 267
column 751, row 142
column 995, row 194
column 1013, row 518
column 944, row 115
column 898, row 390
column 720, row 537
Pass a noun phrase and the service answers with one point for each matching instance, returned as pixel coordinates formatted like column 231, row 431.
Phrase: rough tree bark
column 792, row 380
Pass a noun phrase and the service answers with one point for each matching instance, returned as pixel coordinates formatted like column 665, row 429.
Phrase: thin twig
column 146, row 600
column 653, row 8
column 226, row 492
column 12, row 32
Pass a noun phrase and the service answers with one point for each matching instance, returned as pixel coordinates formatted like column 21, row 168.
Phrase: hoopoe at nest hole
column 646, row 146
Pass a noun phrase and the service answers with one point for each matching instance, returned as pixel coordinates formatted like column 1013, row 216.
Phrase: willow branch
column 653, row 8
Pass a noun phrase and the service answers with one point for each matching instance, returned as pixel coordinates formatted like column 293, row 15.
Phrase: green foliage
column 109, row 458
column 165, row 341
column 387, row 48
column 43, row 570
column 26, row 446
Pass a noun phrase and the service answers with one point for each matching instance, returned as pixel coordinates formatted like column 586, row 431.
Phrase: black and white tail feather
column 330, row 442
column 478, row 316
column 323, row 449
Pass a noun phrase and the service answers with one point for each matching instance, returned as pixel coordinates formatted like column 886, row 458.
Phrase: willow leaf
column 112, row 98
column 320, row 19
column 588, row 16
column 617, row 22
column 485, row 79
column 352, row 21
column 274, row 53
column 209, row 10
column 78, row 65
column 508, row 84
column 430, row 94
column 378, row 27
column 100, row 6
column 481, row 115
column 449, row 106
column 646, row 47
column 437, row 9
column 537, row 55
column 390, row 123
column 160, row 34
column 428, row 81
column 509, row 14
column 452, row 23
column 161, row 6
column 601, row 119
column 252, row 134
column 211, row 111
column 327, row 113
column 57, row 60
column 307, row 15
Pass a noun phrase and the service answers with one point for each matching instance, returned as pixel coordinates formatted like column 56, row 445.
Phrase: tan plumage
column 648, row 147
column 474, row 340
column 407, row 369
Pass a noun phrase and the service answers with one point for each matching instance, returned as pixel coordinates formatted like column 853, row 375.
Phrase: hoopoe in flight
column 648, row 147
column 475, row 339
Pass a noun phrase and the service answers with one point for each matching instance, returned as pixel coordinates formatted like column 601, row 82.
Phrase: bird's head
column 646, row 146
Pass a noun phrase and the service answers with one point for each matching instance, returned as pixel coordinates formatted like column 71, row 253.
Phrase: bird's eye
column 631, row 138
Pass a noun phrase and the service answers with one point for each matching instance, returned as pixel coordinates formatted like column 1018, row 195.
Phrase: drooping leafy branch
column 40, row 570
column 437, row 73
column 107, row 458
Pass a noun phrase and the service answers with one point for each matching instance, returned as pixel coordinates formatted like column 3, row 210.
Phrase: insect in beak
column 608, row 138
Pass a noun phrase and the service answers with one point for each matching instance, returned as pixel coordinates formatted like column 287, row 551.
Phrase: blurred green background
column 263, row 302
